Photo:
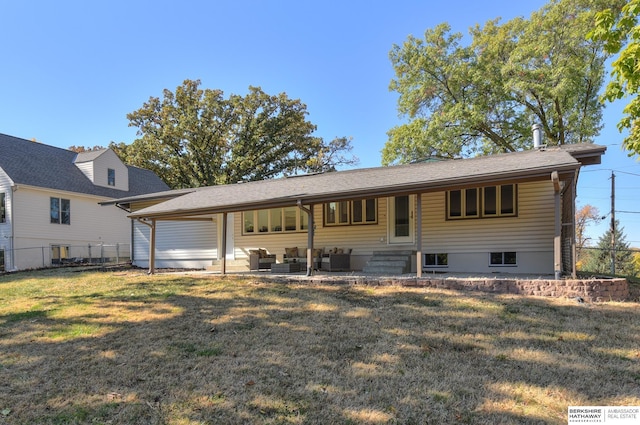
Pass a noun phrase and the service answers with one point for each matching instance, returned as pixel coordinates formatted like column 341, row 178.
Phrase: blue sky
column 70, row 71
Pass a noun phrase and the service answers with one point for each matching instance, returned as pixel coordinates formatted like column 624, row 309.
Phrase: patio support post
column 223, row 248
column 574, row 271
column 309, row 212
column 419, row 239
column 557, row 242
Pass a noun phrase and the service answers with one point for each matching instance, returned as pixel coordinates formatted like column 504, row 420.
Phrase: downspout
column 557, row 245
column 419, row 241
column 309, row 236
column 131, row 238
column 574, row 195
column 223, row 248
column 152, row 244
column 14, row 189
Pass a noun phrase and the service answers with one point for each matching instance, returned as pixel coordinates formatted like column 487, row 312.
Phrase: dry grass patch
column 122, row 348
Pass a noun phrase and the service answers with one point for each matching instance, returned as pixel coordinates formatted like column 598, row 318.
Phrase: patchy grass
column 124, row 347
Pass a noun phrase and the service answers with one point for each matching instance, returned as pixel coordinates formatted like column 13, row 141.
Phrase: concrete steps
column 389, row 262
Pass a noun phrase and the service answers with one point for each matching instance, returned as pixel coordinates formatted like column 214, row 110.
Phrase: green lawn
column 122, row 347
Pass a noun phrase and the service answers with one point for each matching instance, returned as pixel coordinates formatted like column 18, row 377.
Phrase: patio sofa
column 331, row 260
column 299, row 255
column 336, row 260
column 260, row 260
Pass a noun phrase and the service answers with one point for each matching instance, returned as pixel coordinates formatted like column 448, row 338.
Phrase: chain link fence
column 598, row 261
column 64, row 256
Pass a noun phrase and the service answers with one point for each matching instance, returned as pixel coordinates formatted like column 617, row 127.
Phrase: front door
column 401, row 222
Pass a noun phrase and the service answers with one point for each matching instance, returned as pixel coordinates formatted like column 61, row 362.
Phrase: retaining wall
column 593, row 290
column 590, row 290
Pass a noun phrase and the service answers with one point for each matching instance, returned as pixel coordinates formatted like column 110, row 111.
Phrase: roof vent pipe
column 537, row 136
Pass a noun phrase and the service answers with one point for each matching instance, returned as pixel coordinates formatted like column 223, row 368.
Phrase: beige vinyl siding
column 96, row 170
column 362, row 239
column 87, row 169
column 91, row 223
column 530, row 234
column 182, row 244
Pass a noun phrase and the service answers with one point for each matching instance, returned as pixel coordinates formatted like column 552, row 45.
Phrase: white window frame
column 60, row 211
column 3, row 207
column 111, row 177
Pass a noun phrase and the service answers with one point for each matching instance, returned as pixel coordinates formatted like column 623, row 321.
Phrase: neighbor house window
column 59, row 253
column 436, row 260
column 1, row 260
column 489, row 201
column 363, row 211
column 275, row 220
column 3, row 216
column 502, row 258
column 111, row 177
column 60, row 211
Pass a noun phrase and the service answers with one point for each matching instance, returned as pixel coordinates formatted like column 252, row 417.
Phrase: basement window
column 436, row 260
column 507, row 258
column 59, row 253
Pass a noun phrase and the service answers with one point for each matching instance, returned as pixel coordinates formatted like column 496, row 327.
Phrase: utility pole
column 613, row 224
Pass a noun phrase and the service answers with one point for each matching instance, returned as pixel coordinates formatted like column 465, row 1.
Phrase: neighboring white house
column 512, row 212
column 49, row 203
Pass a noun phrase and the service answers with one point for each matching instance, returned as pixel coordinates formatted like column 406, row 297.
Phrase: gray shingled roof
column 35, row 164
column 369, row 182
column 89, row 156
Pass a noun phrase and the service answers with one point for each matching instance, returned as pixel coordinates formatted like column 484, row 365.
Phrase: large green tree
column 197, row 137
column 621, row 33
column 483, row 97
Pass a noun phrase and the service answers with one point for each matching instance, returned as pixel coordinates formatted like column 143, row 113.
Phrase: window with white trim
column 59, row 253
column 343, row 213
column 3, row 216
column 111, row 177
column 488, row 201
column 60, row 211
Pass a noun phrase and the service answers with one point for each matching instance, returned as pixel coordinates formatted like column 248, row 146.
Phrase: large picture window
column 60, row 211
column 362, row 211
column 3, row 216
column 275, row 220
column 489, row 201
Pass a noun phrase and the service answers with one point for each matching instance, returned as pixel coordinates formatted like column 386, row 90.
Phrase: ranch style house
column 511, row 212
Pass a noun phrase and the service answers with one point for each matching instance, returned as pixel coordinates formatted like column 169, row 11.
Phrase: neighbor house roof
column 368, row 182
column 36, row 164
